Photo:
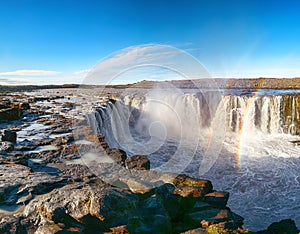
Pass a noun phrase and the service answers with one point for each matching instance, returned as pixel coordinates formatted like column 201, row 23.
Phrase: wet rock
column 48, row 229
column 61, row 130
column 83, row 202
column 60, row 216
column 196, row 231
column 42, row 142
column 9, row 224
column 136, row 185
column 95, row 138
column 25, row 145
column 62, row 140
column 6, row 146
column 46, row 121
column 81, row 132
column 287, row 226
column 159, row 224
column 187, row 191
column 152, row 217
column 24, row 106
column 19, row 184
column 40, row 98
column 104, row 145
column 193, row 182
column 9, row 135
column 9, row 114
column 165, row 190
column 69, row 152
column 76, row 171
column 138, row 162
column 118, row 230
column 217, row 198
column 118, row 155
column 223, row 217
column 117, row 207
column 187, row 186
column 69, row 105
column 4, row 104
column 16, row 157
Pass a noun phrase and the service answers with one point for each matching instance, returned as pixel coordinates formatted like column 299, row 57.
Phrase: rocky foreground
column 49, row 186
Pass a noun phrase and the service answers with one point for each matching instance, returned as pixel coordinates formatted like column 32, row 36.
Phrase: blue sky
column 58, row 41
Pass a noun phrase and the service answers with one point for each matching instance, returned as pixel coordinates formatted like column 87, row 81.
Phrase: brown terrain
column 249, row 83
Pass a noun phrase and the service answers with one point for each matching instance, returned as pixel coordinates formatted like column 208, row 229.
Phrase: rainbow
column 242, row 131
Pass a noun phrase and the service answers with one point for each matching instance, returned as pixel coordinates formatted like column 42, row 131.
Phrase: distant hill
column 15, row 88
column 249, row 83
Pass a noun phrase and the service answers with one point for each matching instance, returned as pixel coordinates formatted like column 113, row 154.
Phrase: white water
column 202, row 134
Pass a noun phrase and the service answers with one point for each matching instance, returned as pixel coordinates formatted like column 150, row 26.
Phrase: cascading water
column 242, row 143
column 262, row 114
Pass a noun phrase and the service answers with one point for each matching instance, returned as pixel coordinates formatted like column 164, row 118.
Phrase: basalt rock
column 217, row 198
column 24, row 106
column 6, row 146
column 93, row 206
column 10, row 114
column 187, row 186
column 196, row 231
column 9, row 135
column 187, row 191
column 19, row 184
column 118, row 155
column 61, row 130
column 95, row 138
column 25, row 145
column 62, row 140
column 138, row 162
column 286, row 226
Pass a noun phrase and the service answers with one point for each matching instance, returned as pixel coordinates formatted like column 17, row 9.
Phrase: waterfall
column 186, row 116
column 264, row 114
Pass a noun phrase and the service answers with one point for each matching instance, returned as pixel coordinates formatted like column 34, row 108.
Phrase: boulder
column 196, row 231
column 25, row 145
column 61, row 130
column 4, row 104
column 6, row 146
column 19, row 184
column 62, row 140
column 223, row 217
column 287, row 226
column 187, row 186
column 217, row 198
column 93, row 206
column 138, row 162
column 188, row 191
column 152, row 217
column 24, row 106
column 104, row 145
column 9, row 114
column 118, row 155
column 136, row 186
column 9, row 135
column 118, row 230
column 95, row 138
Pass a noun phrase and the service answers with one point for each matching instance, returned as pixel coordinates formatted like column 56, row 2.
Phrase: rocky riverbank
column 48, row 185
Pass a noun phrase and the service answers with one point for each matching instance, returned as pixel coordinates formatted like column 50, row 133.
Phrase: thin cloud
column 14, row 81
column 30, row 73
column 82, row 72
column 143, row 56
